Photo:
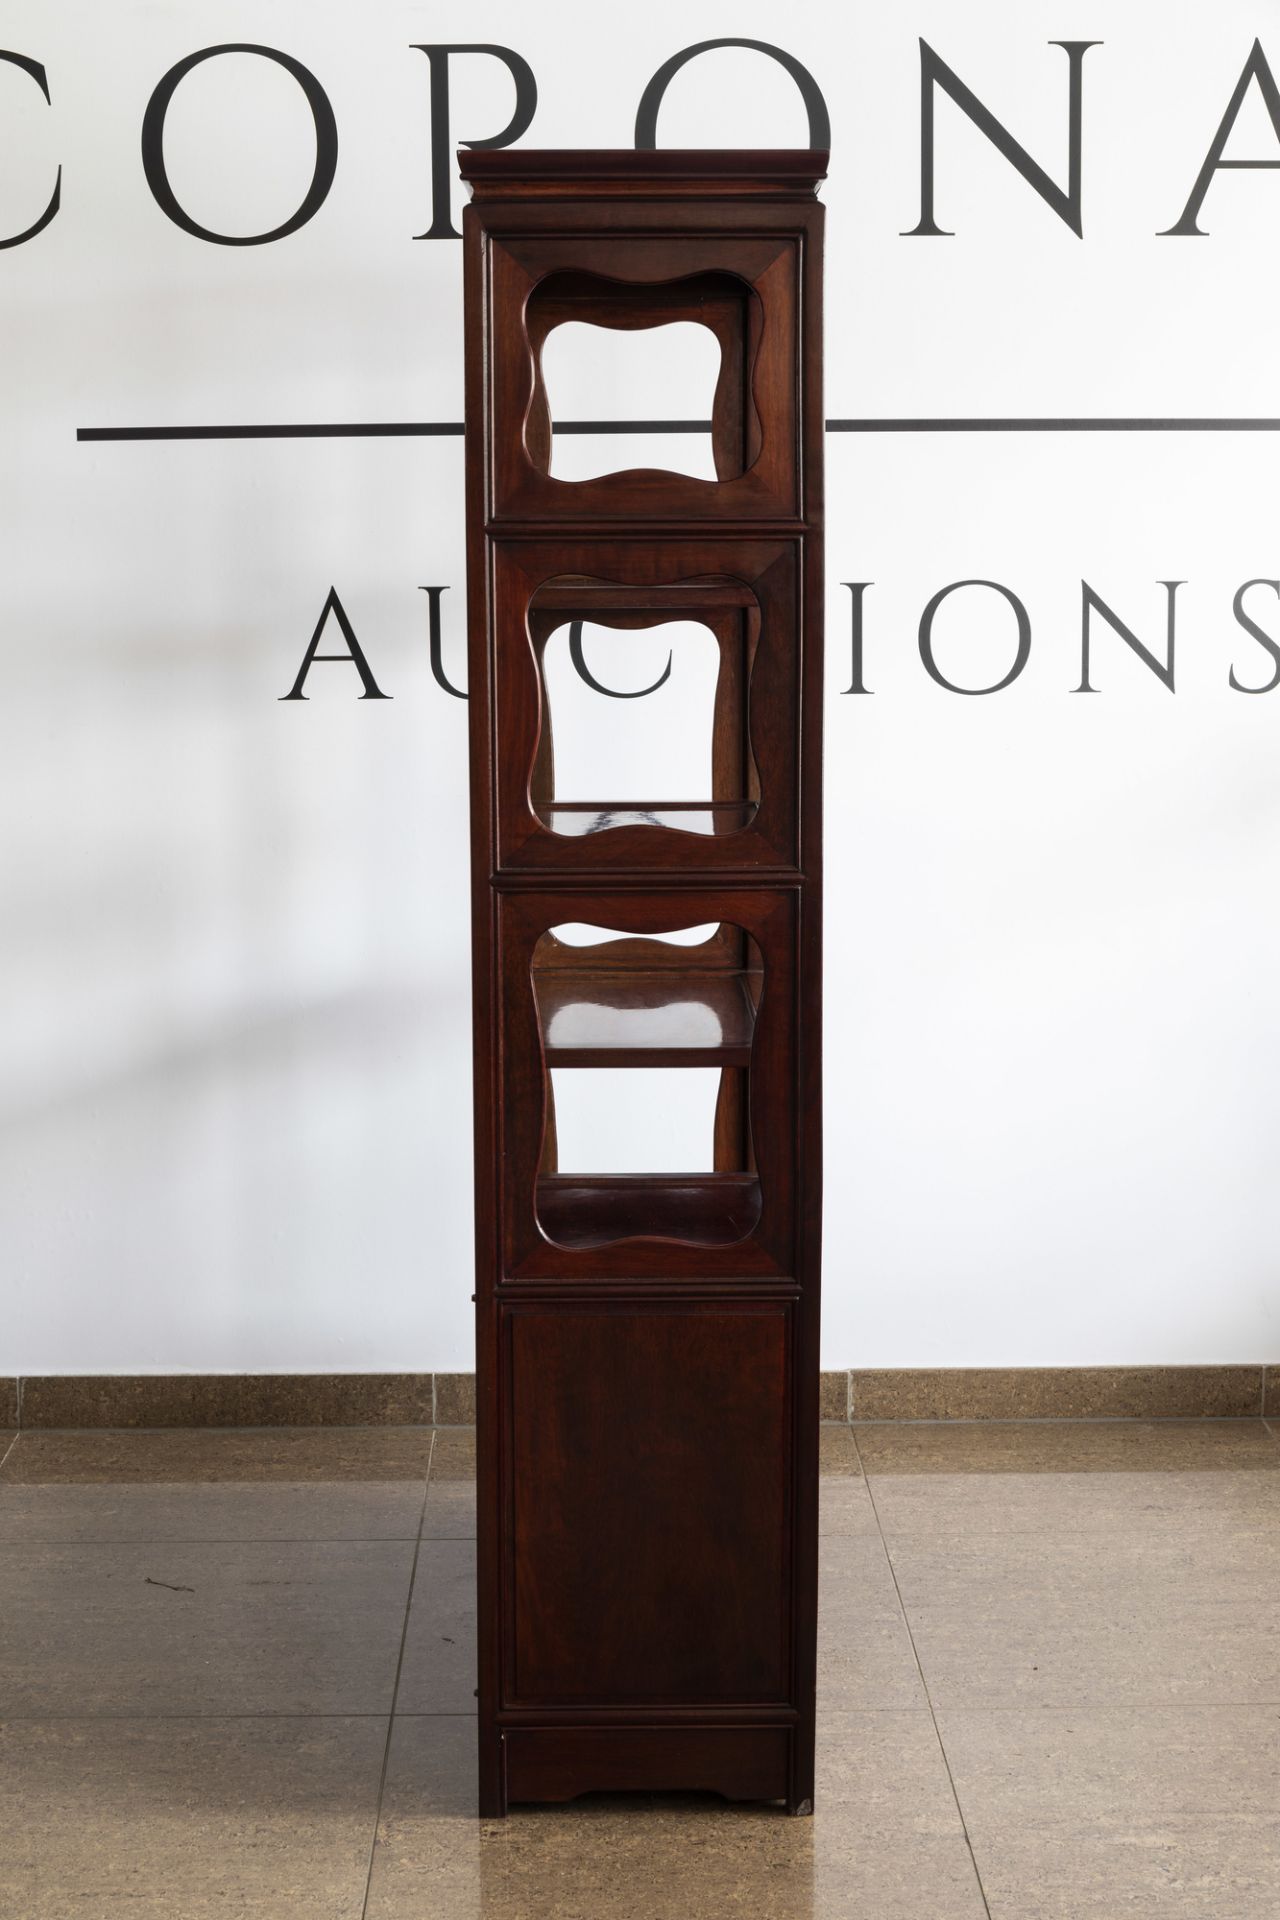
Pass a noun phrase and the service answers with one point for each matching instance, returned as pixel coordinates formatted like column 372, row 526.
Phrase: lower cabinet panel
column 557, row 1763
column 648, row 1547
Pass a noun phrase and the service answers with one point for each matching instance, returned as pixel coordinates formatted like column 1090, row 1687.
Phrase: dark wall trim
column 1064, row 1393
column 239, row 1400
column 448, row 1399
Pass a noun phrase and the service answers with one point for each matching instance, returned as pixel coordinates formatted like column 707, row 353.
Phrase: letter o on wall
column 926, row 635
column 153, row 146
column 646, row 136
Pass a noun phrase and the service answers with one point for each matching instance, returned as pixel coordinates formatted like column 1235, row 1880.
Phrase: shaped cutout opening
column 644, row 722
column 633, row 1119
column 583, row 933
column 635, row 378
column 647, row 1051
column 597, row 378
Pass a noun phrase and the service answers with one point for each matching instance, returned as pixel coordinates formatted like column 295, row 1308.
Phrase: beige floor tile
column 1166, row 1814
column 204, row 1455
column 454, row 1454
column 182, row 1629
column 301, row 1484
column 1085, row 1619
column 1155, row 1504
column 187, row 1820
column 1214, row 1476
column 1067, row 1446
column 372, row 1511
column 864, row 1649
column 885, row 1842
column 450, row 1512
column 837, row 1454
column 844, row 1505
column 439, row 1670
column 844, row 1508
column 888, row 1838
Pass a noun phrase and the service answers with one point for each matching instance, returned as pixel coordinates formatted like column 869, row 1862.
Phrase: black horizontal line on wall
column 327, row 430
column 1013, row 425
column 452, row 429
column 374, row 430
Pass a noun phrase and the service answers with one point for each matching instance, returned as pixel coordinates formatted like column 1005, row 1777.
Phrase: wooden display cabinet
column 647, row 1339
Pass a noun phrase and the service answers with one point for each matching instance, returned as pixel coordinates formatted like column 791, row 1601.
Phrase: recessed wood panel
column 650, row 1467
column 641, row 279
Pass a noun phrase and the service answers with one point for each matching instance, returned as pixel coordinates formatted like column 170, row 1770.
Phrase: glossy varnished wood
column 664, row 1422
column 647, row 1345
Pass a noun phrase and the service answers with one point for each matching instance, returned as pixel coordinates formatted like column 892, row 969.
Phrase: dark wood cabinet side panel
column 647, row 1408
column 650, row 1466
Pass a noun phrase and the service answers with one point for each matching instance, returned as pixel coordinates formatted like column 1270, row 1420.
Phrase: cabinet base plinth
column 558, row 1763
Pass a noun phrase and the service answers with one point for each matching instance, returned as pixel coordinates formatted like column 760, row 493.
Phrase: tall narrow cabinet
column 647, row 1336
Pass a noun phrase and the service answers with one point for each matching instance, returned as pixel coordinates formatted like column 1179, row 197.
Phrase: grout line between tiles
column 240, row 1427
column 205, row 1540
column 348, row 1713
column 1074, row 1420
column 937, row 1731
column 194, row 1715
column 1125, row 1708
column 327, row 1713
column 395, row 1689
column 9, row 1449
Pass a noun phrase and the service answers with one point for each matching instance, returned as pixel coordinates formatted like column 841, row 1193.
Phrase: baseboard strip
column 1062, row 1393
column 449, row 1399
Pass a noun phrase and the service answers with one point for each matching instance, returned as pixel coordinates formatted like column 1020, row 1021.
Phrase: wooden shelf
column 659, row 1017
column 575, row 818
column 591, row 1210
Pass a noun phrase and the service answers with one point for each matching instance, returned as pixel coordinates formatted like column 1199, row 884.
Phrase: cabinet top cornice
column 554, row 173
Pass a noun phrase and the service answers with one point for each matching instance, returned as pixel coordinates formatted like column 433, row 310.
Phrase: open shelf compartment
column 648, row 1046
column 615, row 739
column 648, row 717
column 641, row 1007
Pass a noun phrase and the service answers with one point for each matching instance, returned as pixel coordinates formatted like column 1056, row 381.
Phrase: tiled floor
column 236, row 1674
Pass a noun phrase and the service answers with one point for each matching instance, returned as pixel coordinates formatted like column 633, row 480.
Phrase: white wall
column 235, row 1059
